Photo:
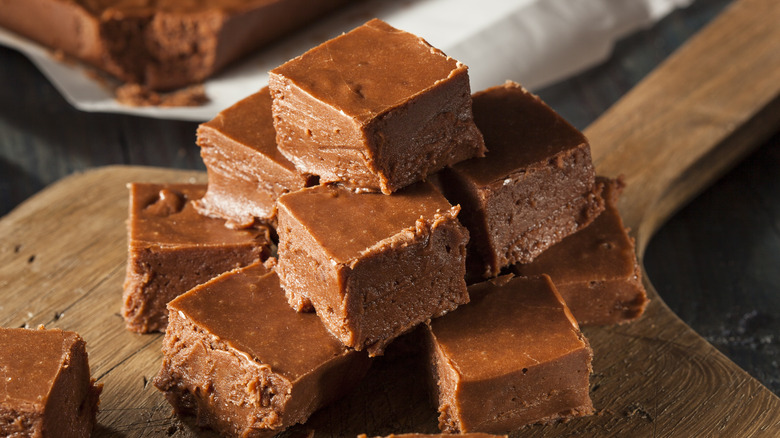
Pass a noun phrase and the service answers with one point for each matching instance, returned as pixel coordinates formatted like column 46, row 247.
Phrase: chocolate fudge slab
column 595, row 269
column 535, row 186
column 372, row 266
column 161, row 44
column 246, row 171
column 46, row 386
column 511, row 357
column 172, row 248
column 237, row 356
column 376, row 108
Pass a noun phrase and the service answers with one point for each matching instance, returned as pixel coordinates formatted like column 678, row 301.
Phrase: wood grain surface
column 62, row 259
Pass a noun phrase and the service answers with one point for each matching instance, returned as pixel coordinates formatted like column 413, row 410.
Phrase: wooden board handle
column 687, row 122
column 694, row 116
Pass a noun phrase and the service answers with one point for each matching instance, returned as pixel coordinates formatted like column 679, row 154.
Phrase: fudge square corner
column 534, row 186
column 46, row 388
column 595, row 269
column 372, row 266
column 256, row 367
column 376, row 108
column 513, row 356
column 172, row 248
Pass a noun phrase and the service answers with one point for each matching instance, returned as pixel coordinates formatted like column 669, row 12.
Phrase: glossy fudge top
column 369, row 70
column 259, row 321
column 30, row 362
column 519, row 131
column 250, row 122
column 510, row 323
column 603, row 250
column 346, row 223
column 162, row 214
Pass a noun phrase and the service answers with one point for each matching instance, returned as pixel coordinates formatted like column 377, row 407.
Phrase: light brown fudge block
column 535, row 186
column 172, row 248
column 237, row 356
column 372, row 266
column 246, row 171
column 595, row 269
column 45, row 385
column 161, row 44
column 511, row 357
column 376, row 108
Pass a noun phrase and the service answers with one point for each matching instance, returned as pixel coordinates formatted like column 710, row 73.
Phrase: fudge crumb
column 635, row 409
column 59, row 55
column 138, row 95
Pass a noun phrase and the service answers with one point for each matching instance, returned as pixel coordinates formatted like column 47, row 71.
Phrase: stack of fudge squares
column 388, row 189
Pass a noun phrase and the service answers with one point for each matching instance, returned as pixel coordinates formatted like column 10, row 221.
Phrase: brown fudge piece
column 255, row 366
column 376, row 108
column 535, row 186
column 373, row 266
column 162, row 44
column 511, row 357
column 247, row 173
column 595, row 269
column 45, row 385
column 172, row 248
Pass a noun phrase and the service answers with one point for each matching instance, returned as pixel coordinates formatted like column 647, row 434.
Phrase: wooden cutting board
column 62, row 261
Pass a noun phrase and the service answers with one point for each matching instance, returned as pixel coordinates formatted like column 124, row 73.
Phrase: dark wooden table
column 716, row 262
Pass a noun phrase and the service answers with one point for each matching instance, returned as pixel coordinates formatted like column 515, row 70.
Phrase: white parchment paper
column 534, row 42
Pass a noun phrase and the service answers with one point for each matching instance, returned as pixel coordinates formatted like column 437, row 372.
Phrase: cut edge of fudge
column 601, row 294
column 372, row 333
column 424, row 233
column 164, row 261
column 573, row 216
column 535, row 185
column 69, row 405
column 212, row 373
column 565, row 395
column 246, row 171
column 379, row 139
column 359, row 299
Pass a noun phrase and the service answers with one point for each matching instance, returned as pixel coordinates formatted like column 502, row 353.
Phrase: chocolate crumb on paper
column 138, row 95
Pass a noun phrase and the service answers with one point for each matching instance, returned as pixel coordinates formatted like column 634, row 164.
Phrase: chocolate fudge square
column 237, row 356
column 376, row 108
column 46, row 388
column 595, row 269
column 172, row 248
column 246, row 171
column 511, row 357
column 535, row 186
column 161, row 44
column 372, row 266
